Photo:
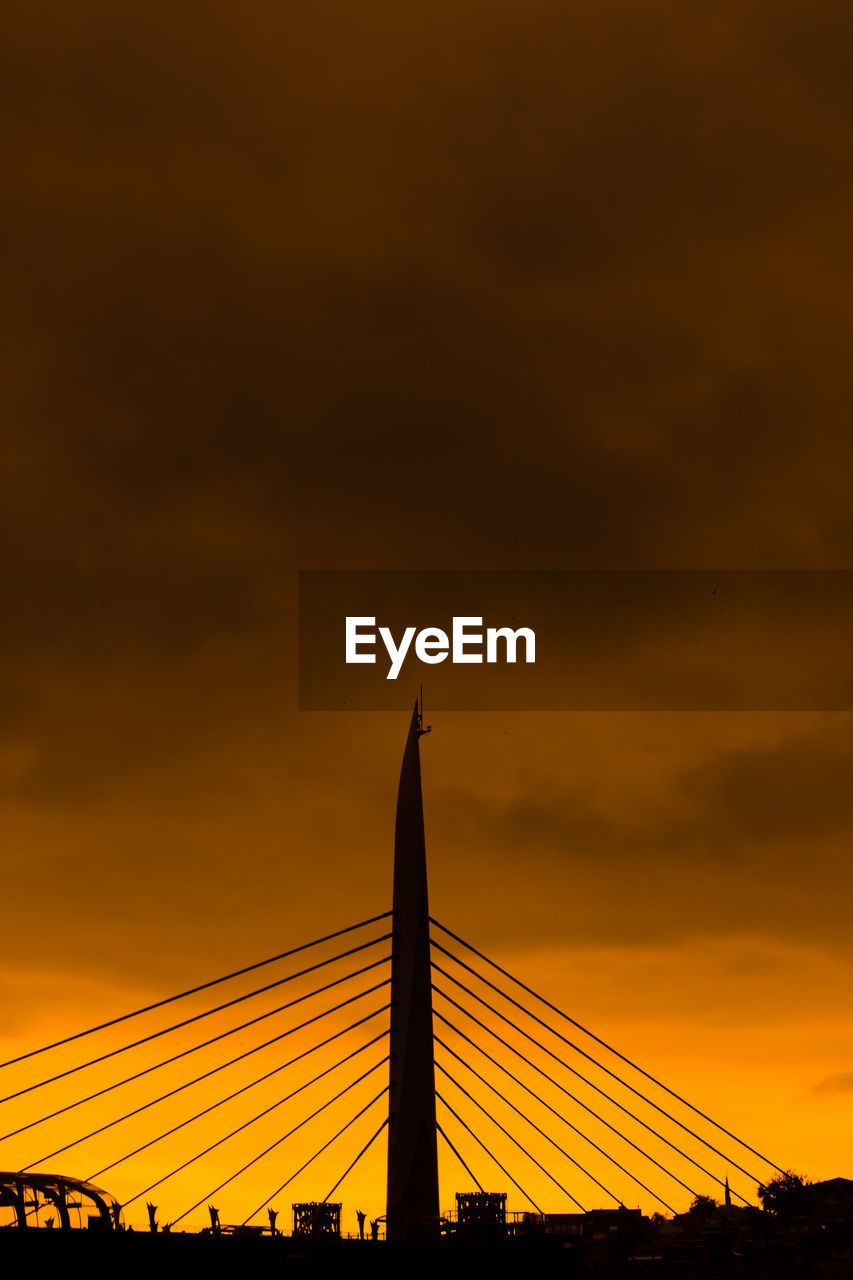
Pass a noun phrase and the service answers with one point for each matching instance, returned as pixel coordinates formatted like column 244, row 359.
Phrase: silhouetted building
column 481, row 1214
column 316, row 1220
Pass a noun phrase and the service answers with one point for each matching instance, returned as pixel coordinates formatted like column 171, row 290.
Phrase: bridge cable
column 320, row 1075
column 266, row 1151
column 553, row 1111
column 203, row 1045
column 259, row 1116
column 542, row 1132
column 191, row 991
column 289, row 1063
column 155, row 1035
column 594, row 1087
column 607, row 1046
column 206, row 1111
column 614, row 1075
column 301, row 1168
column 350, row 1167
column 568, row 1094
column 489, row 1153
column 545, row 1135
column 520, row 1146
column 470, row 1172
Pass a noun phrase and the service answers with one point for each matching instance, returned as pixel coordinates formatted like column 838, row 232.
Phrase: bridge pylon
column 412, row 1201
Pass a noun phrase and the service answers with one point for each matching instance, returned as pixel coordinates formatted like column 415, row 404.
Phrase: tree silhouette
column 786, row 1196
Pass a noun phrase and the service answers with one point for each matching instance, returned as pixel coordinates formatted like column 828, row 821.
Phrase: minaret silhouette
column 412, row 1202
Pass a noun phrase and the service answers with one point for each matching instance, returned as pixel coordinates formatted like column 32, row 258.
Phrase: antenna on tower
column 421, row 729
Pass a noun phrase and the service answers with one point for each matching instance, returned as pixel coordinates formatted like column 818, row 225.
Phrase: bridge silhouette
column 422, row 1042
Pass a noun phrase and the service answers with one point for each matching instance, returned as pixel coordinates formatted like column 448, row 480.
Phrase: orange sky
column 450, row 286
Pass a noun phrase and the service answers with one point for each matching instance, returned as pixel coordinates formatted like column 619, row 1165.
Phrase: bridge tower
column 412, row 1201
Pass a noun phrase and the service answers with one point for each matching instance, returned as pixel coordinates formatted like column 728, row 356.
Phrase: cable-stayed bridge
column 392, row 1056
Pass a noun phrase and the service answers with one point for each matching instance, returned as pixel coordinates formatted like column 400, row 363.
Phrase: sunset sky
column 419, row 286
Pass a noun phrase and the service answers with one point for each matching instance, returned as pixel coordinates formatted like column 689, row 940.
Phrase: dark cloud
column 793, row 792
column 722, row 849
column 577, row 282
column 831, row 1086
column 433, row 285
column 796, row 792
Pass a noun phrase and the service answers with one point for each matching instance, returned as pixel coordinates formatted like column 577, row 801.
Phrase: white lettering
column 511, row 637
column 461, row 638
column 431, row 645
column 396, row 655
column 354, row 639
